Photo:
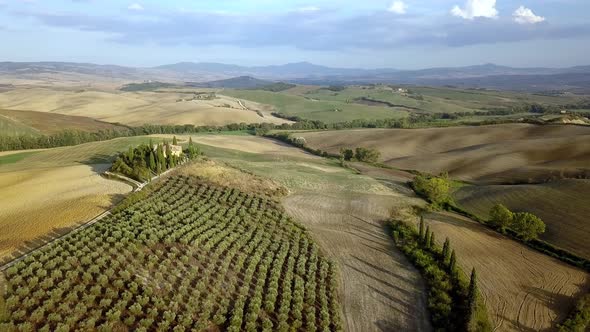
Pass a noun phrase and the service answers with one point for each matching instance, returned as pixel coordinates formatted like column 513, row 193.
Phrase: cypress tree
column 453, row 262
column 426, row 237
column 431, row 242
column 152, row 161
column 421, row 227
column 446, row 252
column 130, row 155
column 174, row 141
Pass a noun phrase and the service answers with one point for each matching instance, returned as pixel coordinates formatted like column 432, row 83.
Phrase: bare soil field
column 563, row 206
column 524, row 290
column 137, row 108
column 381, row 291
column 513, row 153
column 37, row 202
column 48, row 123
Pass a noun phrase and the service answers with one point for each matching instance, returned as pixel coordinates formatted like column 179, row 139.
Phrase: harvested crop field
column 55, row 189
column 381, row 290
column 138, row 108
column 36, row 202
column 512, row 153
column 524, row 290
column 562, row 205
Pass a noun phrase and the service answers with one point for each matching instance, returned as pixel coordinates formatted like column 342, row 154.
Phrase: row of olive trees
column 185, row 257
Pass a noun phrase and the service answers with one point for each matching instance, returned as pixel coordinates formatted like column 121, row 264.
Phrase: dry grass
column 36, row 202
column 563, row 206
column 136, row 108
column 48, row 123
column 226, row 176
column 524, row 290
column 487, row 154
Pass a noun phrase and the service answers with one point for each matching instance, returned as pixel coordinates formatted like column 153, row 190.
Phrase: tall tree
column 421, row 227
column 453, row 262
column 431, row 242
column 174, row 141
column 152, row 161
column 426, row 237
column 446, row 252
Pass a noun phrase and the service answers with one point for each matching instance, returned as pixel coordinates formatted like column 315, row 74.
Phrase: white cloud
column 398, row 7
column 135, row 6
column 308, row 9
column 476, row 8
column 524, row 15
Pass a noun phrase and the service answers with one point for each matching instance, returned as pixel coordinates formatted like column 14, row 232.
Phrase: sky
column 401, row 34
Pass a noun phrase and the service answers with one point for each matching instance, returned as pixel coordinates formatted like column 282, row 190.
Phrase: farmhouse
column 176, row 150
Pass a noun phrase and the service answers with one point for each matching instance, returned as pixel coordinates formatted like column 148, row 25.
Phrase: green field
column 13, row 158
column 329, row 111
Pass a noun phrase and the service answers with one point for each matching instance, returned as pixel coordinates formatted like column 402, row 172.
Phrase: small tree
column 501, row 217
column 348, row 154
column 174, row 141
column 528, row 226
column 367, row 155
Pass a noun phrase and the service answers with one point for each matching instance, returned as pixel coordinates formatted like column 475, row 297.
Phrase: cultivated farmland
column 47, row 192
column 189, row 255
column 138, row 108
column 523, row 289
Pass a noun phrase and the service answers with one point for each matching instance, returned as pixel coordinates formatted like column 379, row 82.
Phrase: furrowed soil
column 512, row 153
column 523, row 289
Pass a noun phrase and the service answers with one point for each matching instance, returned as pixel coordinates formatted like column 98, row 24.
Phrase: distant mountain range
column 575, row 79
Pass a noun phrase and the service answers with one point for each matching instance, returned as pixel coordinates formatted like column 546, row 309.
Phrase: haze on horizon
column 402, row 34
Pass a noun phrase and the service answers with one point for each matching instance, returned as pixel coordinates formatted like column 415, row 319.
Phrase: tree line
column 453, row 302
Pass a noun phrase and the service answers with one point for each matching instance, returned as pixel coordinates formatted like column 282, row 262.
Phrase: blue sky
column 403, row 34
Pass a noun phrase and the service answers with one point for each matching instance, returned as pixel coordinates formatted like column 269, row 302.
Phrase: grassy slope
column 10, row 127
column 49, row 123
column 563, row 205
column 323, row 110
